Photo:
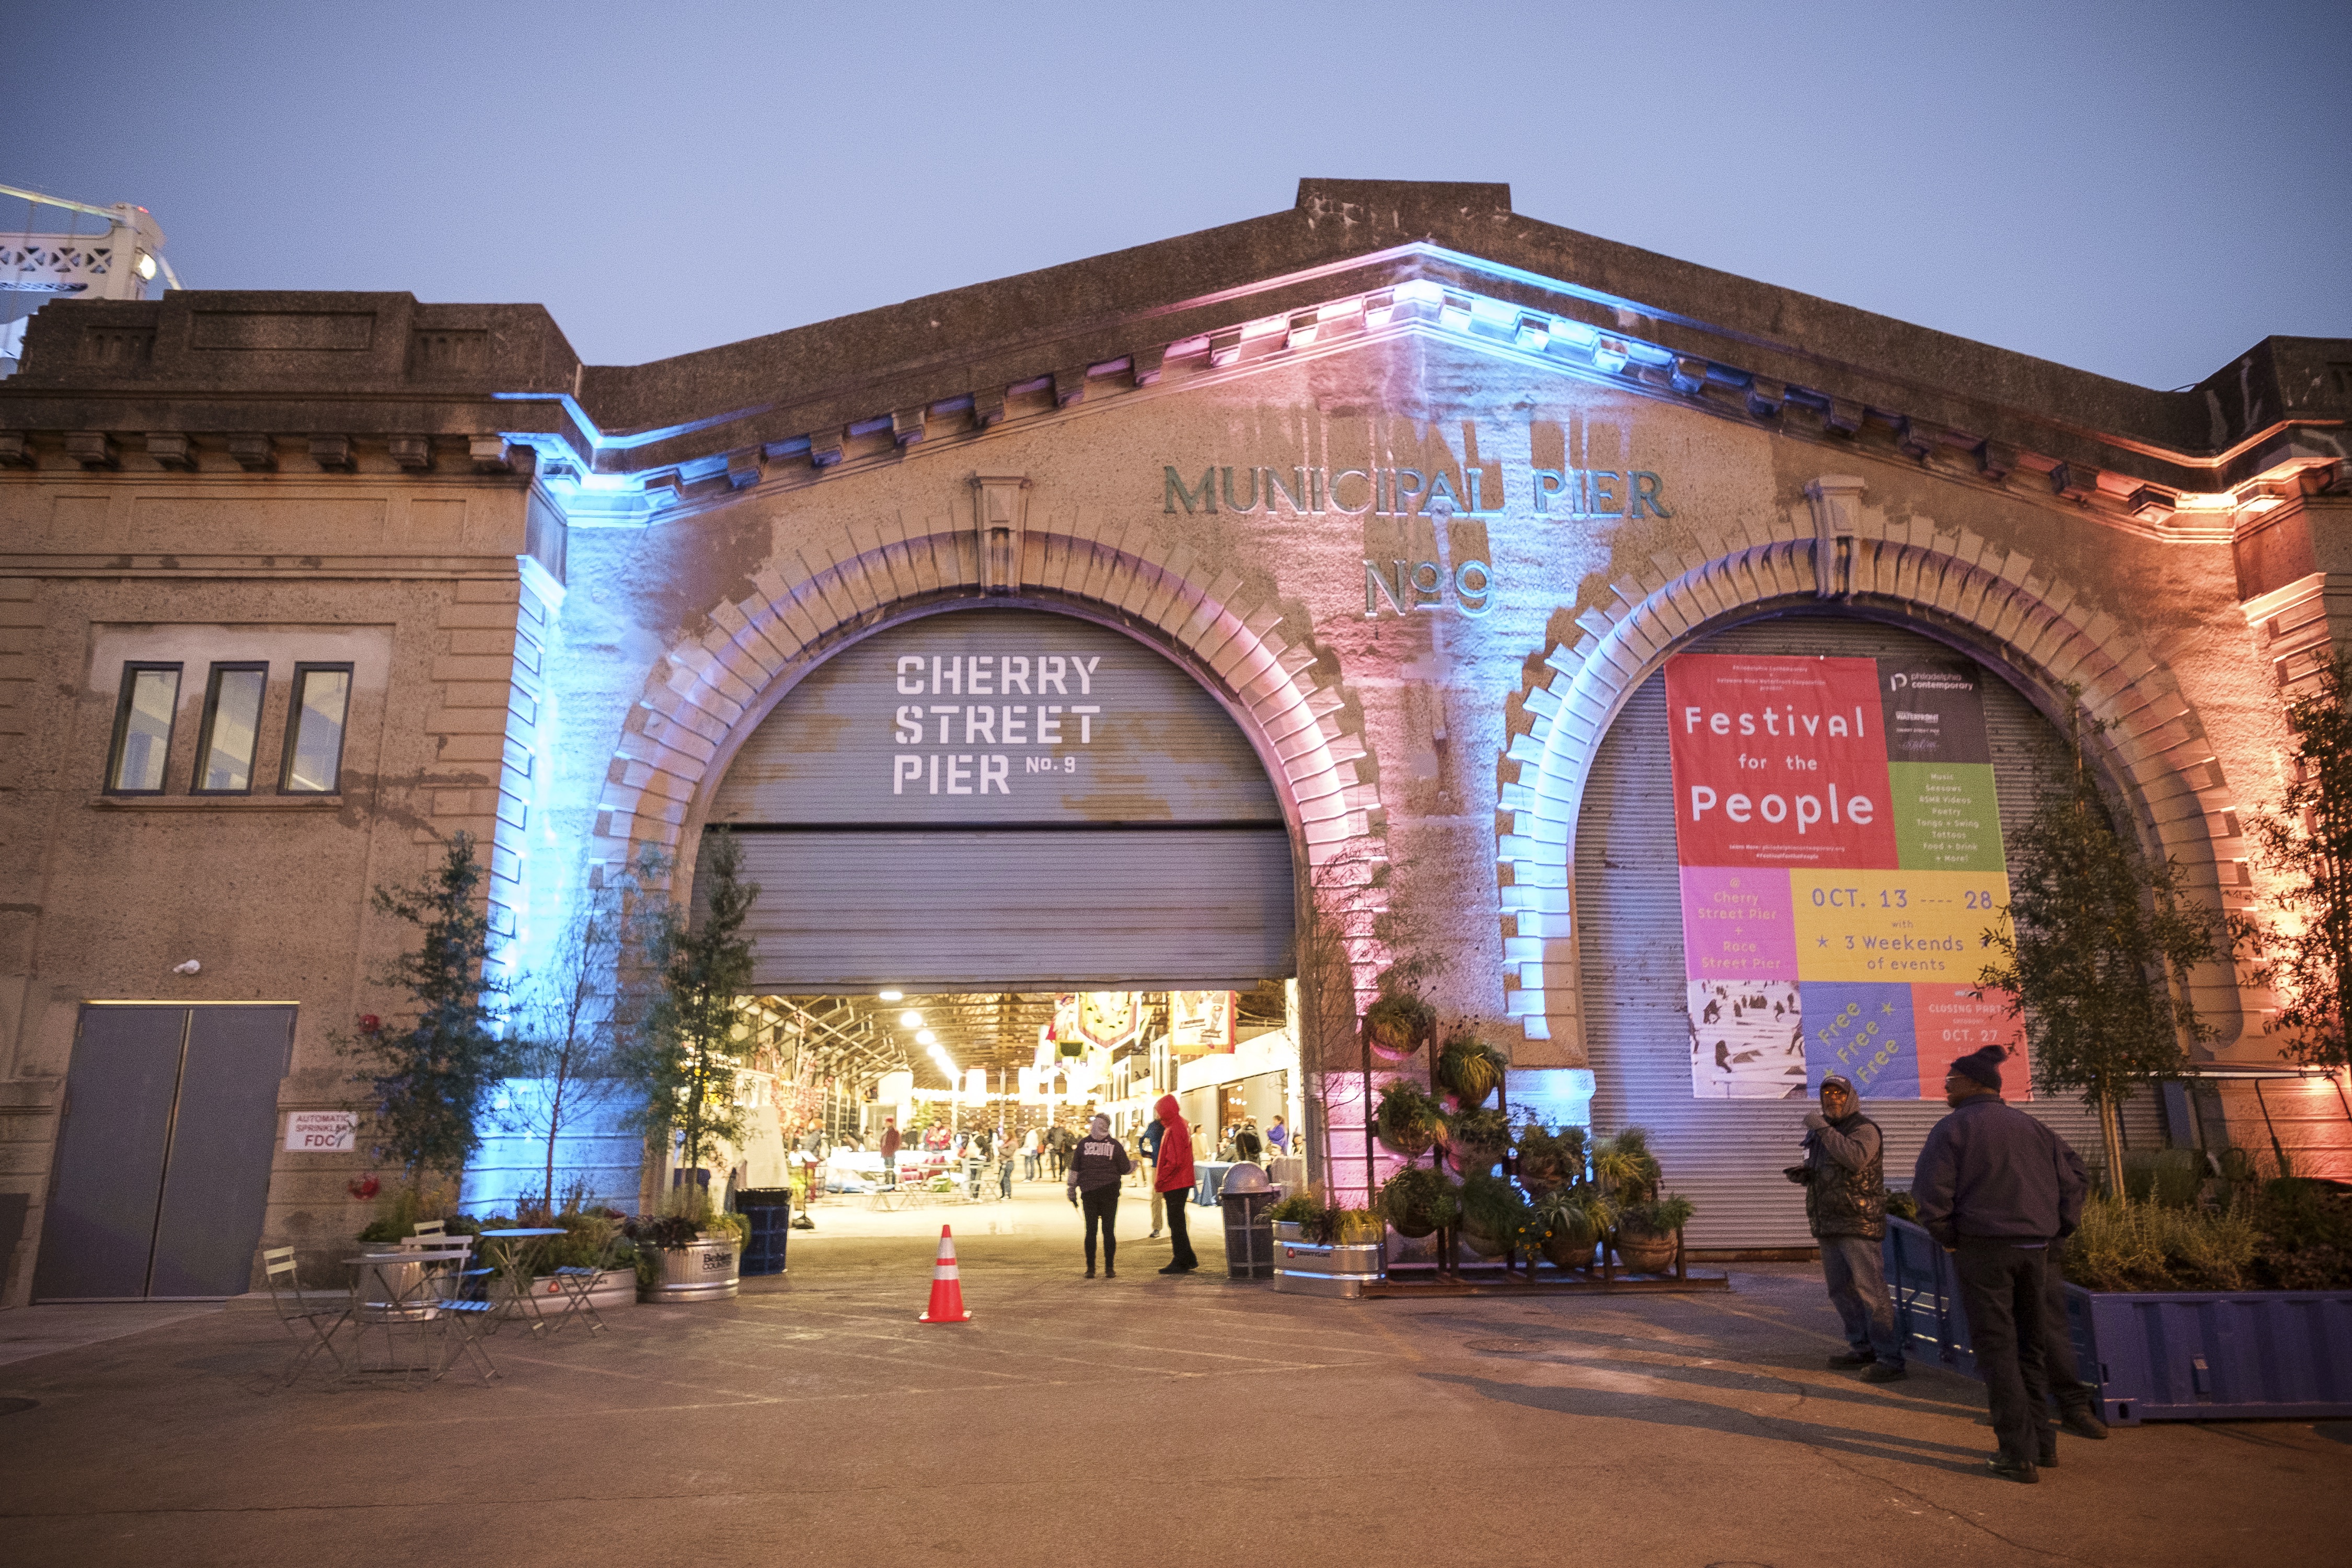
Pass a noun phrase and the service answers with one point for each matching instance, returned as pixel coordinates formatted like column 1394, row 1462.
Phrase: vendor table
column 1209, row 1181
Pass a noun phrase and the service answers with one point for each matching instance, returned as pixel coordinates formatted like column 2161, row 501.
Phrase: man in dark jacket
column 1096, row 1165
column 2077, row 1402
column 1844, row 1177
column 1994, row 1189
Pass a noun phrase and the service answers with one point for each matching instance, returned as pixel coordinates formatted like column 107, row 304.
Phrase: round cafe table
column 389, row 1292
column 509, row 1250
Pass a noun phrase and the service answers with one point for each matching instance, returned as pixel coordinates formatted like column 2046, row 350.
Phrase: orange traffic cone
column 947, row 1289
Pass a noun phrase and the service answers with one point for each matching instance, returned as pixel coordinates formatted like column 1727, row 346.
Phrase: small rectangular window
column 225, row 746
column 314, row 729
column 142, row 729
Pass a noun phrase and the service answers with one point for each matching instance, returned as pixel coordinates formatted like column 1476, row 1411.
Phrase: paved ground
column 1142, row 1420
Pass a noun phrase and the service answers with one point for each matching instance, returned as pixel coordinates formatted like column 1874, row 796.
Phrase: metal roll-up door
column 1725, row 1157
column 1001, row 799
column 1196, row 908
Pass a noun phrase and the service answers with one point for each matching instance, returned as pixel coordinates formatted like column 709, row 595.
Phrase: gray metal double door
column 163, row 1163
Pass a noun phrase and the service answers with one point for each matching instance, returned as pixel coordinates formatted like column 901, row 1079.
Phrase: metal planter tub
column 613, row 1288
column 704, row 1271
column 1303, row 1268
column 2186, row 1356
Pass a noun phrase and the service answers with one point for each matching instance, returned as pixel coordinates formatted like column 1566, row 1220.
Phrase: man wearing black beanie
column 1994, row 1187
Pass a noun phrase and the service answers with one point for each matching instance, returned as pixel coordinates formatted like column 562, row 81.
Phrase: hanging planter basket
column 1471, row 1069
column 1398, row 1025
column 1476, row 1141
column 1570, row 1231
column 1417, row 1201
column 1408, row 1122
column 1484, row 1244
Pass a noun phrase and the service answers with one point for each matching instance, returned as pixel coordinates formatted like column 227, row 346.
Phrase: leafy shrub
column 664, row 1230
column 1479, row 1137
column 1623, row 1167
column 1325, row 1223
column 1546, row 1156
column 1295, row 1208
column 2126, row 1245
column 1401, row 1020
column 2170, row 1178
column 1658, row 1216
column 1492, row 1208
column 2304, row 1236
column 1417, row 1200
column 1902, row 1205
column 1408, row 1120
column 1470, row 1068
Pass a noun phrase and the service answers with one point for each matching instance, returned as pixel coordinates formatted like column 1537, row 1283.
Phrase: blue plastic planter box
column 2191, row 1355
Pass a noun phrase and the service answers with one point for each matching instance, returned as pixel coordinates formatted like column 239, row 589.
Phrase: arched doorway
column 1015, row 864
column 1008, row 797
column 1719, row 1072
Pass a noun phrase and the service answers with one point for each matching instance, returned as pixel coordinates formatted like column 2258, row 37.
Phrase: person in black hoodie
column 1097, row 1163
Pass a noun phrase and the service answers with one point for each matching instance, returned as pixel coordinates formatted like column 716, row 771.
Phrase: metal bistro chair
column 576, row 1281
column 458, row 1305
column 446, row 1257
column 298, row 1312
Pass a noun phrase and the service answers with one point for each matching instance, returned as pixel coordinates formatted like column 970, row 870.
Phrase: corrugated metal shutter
column 998, row 799
column 1725, row 1157
column 1020, row 910
column 1090, row 726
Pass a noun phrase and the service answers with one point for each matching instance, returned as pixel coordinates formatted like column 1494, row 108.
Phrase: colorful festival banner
column 1840, row 843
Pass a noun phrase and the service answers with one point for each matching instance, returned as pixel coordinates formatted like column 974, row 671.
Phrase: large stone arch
column 708, row 692
column 1977, row 595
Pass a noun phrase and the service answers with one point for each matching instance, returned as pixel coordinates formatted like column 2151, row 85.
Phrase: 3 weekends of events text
column 987, row 723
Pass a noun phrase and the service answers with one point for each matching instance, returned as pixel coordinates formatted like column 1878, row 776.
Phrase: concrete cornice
column 382, row 366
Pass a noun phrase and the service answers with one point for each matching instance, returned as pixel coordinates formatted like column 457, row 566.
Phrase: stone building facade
column 1422, row 490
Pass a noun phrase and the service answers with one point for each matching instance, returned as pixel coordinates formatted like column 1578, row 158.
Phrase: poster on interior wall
column 1838, row 841
column 1200, row 1023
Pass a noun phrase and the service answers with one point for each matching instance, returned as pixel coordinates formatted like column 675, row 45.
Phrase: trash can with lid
column 767, row 1218
column 1246, row 1196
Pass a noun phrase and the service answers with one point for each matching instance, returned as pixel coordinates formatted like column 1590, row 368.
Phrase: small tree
column 579, row 1014
column 2306, row 846
column 2096, row 947
column 686, row 1055
column 426, row 1081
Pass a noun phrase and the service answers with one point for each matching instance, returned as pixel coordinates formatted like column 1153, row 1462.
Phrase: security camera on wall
column 191, row 967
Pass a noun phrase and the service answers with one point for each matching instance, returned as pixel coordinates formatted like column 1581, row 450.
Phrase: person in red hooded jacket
column 1172, row 1177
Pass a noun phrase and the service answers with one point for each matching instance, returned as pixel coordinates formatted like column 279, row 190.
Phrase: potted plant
column 1397, row 1024
column 1470, row 1068
column 1645, row 1227
column 1623, row 1168
column 2184, row 1306
column 1477, row 1139
column 1408, row 1120
column 1548, row 1159
column 1493, row 1213
column 587, row 1235
column 1564, row 1225
column 689, row 1253
column 1324, row 1250
column 1417, row 1201
column 1649, row 1233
